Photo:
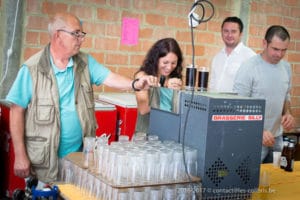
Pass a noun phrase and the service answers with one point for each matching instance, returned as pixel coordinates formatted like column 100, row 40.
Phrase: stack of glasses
column 115, row 170
column 144, row 162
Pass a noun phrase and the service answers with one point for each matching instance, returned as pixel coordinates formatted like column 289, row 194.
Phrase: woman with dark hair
column 164, row 60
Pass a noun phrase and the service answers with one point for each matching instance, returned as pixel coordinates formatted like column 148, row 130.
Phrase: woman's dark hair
column 160, row 49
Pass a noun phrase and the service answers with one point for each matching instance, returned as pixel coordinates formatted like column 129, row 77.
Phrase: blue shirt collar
column 56, row 69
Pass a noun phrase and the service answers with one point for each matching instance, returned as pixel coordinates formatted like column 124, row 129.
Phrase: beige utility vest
column 42, row 121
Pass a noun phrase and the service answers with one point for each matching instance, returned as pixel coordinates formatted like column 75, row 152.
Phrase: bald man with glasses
column 52, row 106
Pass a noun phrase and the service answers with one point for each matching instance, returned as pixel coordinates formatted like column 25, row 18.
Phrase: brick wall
column 158, row 19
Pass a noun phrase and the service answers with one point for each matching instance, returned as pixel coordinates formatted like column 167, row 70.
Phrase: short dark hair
column 234, row 19
column 277, row 30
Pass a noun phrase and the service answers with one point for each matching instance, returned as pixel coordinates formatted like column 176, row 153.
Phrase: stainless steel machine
column 227, row 132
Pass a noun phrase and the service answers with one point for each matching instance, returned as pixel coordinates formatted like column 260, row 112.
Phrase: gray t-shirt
column 272, row 82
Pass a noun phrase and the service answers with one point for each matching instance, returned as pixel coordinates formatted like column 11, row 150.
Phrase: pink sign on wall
column 130, row 31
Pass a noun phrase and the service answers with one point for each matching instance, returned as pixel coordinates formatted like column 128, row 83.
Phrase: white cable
column 194, row 18
column 193, row 23
column 9, row 50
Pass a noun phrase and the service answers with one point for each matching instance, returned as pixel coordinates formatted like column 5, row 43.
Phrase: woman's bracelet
column 132, row 85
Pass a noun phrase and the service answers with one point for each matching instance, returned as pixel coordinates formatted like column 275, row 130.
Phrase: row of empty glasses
column 91, row 187
column 140, row 162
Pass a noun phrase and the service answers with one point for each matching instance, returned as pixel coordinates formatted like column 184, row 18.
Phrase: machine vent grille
column 217, row 172
column 243, row 170
column 237, row 109
column 196, row 105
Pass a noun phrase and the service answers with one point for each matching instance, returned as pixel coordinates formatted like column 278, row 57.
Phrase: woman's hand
column 145, row 82
column 174, row 83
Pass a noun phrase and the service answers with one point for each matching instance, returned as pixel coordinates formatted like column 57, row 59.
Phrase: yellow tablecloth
column 283, row 185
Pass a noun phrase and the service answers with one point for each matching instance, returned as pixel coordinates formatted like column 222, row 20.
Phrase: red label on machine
column 237, row 117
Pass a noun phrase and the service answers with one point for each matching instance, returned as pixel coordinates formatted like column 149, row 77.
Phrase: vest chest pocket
column 38, row 151
column 87, row 93
column 44, row 111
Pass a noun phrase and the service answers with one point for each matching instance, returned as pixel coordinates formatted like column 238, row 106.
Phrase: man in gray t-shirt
column 267, row 76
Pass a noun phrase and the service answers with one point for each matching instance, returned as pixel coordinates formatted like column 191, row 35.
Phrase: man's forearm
column 17, row 129
column 286, row 108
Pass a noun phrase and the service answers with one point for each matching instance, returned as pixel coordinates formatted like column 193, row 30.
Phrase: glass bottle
column 290, row 157
column 283, row 162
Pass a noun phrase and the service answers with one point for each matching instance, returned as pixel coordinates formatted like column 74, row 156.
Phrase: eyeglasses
column 77, row 34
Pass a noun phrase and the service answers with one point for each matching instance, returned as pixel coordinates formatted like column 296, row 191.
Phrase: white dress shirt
column 224, row 67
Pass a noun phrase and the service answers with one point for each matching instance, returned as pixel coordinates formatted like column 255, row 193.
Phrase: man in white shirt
column 226, row 63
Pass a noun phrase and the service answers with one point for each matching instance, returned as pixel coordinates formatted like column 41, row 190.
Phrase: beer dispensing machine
column 227, row 132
